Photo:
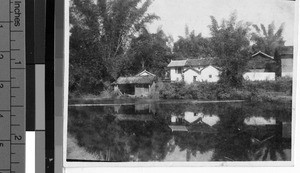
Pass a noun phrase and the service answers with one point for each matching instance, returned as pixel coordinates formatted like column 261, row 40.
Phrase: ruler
column 12, row 86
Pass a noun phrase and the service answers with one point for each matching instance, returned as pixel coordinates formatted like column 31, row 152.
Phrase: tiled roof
column 177, row 63
column 135, row 80
column 145, row 73
column 190, row 68
column 287, row 50
column 191, row 62
column 198, row 62
column 262, row 53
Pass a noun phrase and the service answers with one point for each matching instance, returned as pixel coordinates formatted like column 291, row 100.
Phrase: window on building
column 210, row 76
column 178, row 70
column 195, row 78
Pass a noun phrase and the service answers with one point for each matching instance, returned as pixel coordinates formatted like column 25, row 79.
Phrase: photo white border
column 66, row 80
column 99, row 166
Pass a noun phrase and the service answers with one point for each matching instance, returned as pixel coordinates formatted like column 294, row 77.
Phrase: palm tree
column 269, row 42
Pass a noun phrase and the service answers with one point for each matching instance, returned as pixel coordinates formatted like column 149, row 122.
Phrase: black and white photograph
column 178, row 81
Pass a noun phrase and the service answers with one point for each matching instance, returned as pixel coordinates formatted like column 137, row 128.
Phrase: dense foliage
column 192, row 46
column 109, row 39
column 100, row 33
column 231, row 46
column 252, row 91
column 269, row 42
column 148, row 51
column 103, row 133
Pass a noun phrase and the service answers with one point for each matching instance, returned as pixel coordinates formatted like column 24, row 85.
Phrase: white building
column 261, row 67
column 192, row 70
column 286, row 57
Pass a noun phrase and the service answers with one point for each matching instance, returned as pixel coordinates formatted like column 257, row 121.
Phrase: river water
column 179, row 131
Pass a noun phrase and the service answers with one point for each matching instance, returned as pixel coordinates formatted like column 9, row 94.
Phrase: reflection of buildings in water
column 134, row 108
column 137, row 112
column 185, row 155
column 193, row 117
column 259, row 121
column 193, row 122
column 117, row 108
column 181, row 153
column 286, row 130
column 144, row 108
column 211, row 120
column 270, row 127
column 134, row 117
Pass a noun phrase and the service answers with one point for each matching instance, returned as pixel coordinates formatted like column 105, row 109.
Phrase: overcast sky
column 175, row 14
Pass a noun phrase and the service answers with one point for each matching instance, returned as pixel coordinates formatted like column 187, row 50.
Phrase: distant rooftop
column 287, row 50
column 135, row 80
column 145, row 73
column 263, row 54
column 144, row 77
column 177, row 63
column 191, row 62
column 198, row 62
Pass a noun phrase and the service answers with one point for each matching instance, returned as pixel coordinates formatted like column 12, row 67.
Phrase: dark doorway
column 127, row 89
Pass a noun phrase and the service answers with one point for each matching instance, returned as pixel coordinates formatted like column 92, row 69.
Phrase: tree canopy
column 268, row 39
column 151, row 52
column 101, row 32
column 231, row 46
column 192, row 45
column 109, row 38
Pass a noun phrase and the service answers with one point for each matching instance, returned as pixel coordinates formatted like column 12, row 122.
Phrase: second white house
column 192, row 70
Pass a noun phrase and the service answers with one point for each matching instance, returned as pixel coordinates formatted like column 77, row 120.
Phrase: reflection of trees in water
column 245, row 147
column 98, row 131
column 229, row 126
column 99, row 134
column 239, row 142
column 272, row 149
column 148, row 140
column 178, row 109
column 194, row 142
column 119, row 141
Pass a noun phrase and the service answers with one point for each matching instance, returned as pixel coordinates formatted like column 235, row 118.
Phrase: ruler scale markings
column 4, row 90
column 12, row 80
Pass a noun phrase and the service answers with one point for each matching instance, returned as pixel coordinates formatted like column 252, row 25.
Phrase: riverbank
column 258, row 91
column 279, row 90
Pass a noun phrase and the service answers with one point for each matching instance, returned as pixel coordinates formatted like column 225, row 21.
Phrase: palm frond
column 271, row 28
column 263, row 28
column 279, row 32
column 256, row 28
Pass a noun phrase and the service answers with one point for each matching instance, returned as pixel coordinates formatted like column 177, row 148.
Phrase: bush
column 282, row 84
column 250, row 90
column 180, row 90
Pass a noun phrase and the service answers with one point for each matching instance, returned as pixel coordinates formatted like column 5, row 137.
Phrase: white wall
column 144, row 74
column 287, row 74
column 210, row 70
column 203, row 76
column 192, row 116
column 175, row 76
column 286, row 67
column 189, row 76
column 259, row 76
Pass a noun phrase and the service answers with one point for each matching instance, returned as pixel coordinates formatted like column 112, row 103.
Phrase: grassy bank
column 278, row 90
